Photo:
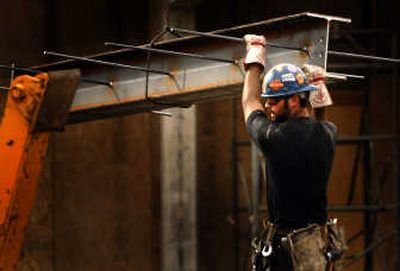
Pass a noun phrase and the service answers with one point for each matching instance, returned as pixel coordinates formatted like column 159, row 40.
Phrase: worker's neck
column 300, row 113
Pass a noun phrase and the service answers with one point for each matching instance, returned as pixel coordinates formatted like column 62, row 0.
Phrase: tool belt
column 312, row 248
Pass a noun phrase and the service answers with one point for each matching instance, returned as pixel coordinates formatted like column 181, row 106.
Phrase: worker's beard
column 274, row 117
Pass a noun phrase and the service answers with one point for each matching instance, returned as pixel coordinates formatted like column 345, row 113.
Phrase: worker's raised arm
column 254, row 63
column 250, row 100
column 320, row 98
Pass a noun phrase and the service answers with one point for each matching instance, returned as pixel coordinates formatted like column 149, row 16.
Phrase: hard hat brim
column 289, row 93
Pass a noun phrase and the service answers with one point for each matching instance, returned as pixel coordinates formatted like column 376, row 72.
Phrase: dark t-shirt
column 299, row 154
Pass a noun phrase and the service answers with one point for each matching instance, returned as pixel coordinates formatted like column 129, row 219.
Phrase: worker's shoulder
column 257, row 120
column 328, row 126
column 255, row 114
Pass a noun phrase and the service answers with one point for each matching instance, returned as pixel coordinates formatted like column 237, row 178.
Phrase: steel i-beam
column 298, row 39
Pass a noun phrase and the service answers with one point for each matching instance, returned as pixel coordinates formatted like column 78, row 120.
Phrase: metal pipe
column 348, row 208
column 348, row 140
column 101, row 62
column 361, row 208
column 229, row 38
column 161, row 51
column 369, row 57
column 365, row 138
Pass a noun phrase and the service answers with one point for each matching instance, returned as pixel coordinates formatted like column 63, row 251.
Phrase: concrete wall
column 99, row 208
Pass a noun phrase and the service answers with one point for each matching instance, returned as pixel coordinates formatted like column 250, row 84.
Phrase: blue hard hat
column 285, row 80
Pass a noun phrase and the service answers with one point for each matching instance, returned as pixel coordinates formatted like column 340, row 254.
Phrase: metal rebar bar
column 161, row 113
column 229, row 38
column 4, row 89
column 148, row 64
column 12, row 72
column 18, row 68
column 101, row 62
column 343, row 76
column 161, row 51
column 369, row 57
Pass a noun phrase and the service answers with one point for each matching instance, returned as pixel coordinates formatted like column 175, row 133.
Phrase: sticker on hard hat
column 292, row 68
column 288, row 77
column 276, row 85
column 300, row 78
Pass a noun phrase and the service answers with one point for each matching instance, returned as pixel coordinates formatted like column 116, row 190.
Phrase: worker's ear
column 294, row 102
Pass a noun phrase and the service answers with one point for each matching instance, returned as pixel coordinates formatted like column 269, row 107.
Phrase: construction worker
column 299, row 151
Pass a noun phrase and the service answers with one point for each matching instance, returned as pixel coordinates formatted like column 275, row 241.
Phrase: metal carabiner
column 268, row 252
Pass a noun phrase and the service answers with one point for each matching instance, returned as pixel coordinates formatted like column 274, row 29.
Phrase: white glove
column 316, row 77
column 255, row 46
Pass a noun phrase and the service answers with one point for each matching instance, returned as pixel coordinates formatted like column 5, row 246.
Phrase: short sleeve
column 331, row 129
column 257, row 125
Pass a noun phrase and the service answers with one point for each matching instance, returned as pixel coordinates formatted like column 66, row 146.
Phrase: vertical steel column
column 369, row 234
column 396, row 151
column 178, row 163
column 235, row 187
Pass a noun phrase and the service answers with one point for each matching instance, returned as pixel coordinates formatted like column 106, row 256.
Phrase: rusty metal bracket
column 57, row 101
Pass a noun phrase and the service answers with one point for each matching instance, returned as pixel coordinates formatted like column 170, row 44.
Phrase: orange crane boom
column 24, row 131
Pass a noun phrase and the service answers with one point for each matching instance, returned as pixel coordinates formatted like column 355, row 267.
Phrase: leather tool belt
column 312, row 248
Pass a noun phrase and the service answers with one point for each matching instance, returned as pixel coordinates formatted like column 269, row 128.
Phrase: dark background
column 91, row 217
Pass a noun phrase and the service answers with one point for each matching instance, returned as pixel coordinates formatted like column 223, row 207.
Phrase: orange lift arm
column 35, row 106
